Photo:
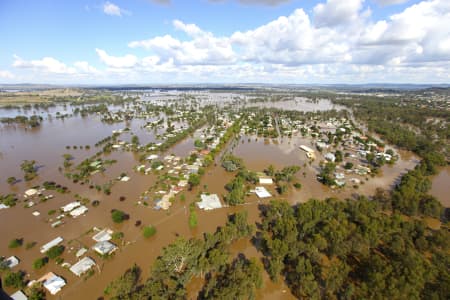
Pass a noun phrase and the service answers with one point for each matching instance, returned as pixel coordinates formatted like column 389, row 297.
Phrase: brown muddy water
column 47, row 144
column 299, row 104
column 441, row 186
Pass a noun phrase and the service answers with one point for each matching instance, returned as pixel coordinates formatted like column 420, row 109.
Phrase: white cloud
column 46, row 64
column 126, row 61
column 390, row 2
column 112, row 9
column 85, row 68
column 4, row 74
column 292, row 40
column 257, row 2
column 203, row 49
column 337, row 12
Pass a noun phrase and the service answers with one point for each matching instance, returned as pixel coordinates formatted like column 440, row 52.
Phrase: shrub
column 119, row 216
column 15, row 243
column 149, row 231
column 40, row 262
column 55, row 251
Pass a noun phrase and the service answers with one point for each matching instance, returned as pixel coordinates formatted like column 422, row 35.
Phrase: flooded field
column 47, row 143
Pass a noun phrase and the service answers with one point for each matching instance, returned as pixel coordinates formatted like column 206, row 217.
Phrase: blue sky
column 268, row 41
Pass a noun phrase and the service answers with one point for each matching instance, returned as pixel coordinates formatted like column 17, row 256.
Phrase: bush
column 119, row 216
column 14, row 279
column 55, row 251
column 149, row 231
column 15, row 243
column 117, row 235
column 298, row 185
column 40, row 262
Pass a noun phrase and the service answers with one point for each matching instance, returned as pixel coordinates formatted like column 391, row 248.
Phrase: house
column 330, row 157
column 19, row 295
column 52, row 283
column 82, row 266
column 104, row 248
column 72, row 205
column 104, row 235
column 31, row 192
column 309, row 152
column 265, row 180
column 152, row 157
column 192, row 169
column 261, row 192
column 79, row 211
column 209, row 202
column 11, row 262
column 51, row 244
column 182, row 183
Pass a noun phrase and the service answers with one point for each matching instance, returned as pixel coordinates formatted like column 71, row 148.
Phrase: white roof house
column 152, row 157
column 82, row 266
column 70, row 206
column 104, row 235
column 54, row 284
column 265, row 180
column 330, row 157
column 306, row 149
column 261, row 192
column 11, row 262
column 52, row 243
column 209, row 202
column 104, row 248
column 19, row 295
column 78, row 211
column 31, row 192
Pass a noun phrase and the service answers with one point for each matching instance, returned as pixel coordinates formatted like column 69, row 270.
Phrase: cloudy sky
column 224, row 41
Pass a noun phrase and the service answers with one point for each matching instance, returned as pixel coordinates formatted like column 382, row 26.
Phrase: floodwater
column 441, row 187
column 47, row 144
column 299, row 104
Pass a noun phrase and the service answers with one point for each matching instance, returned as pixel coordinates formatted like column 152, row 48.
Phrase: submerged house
column 82, row 266
column 261, row 192
column 52, row 283
column 104, row 248
column 209, row 202
column 51, row 244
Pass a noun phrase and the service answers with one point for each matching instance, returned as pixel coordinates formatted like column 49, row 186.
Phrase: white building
column 51, row 244
column 79, row 211
column 70, row 206
column 104, row 235
column 209, row 202
column 261, row 192
column 11, row 262
column 54, row 283
column 265, row 180
column 82, row 266
column 104, row 248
